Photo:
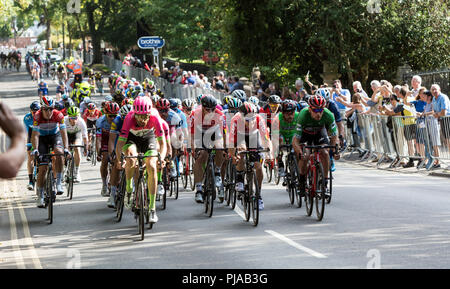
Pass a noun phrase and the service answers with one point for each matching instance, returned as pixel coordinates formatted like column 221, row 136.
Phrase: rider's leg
column 104, row 172
column 130, row 166
column 198, row 174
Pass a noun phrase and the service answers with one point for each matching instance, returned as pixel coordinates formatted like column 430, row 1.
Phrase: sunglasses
column 289, row 112
column 142, row 116
column 317, row 110
column 111, row 115
column 47, row 109
column 164, row 111
column 209, row 109
column 73, row 117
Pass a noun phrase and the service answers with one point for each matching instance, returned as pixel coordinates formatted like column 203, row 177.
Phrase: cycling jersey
column 266, row 110
column 287, row 130
column 103, row 129
column 251, row 135
column 50, row 126
column 78, row 128
column 28, row 121
column 306, row 124
column 43, row 88
column 333, row 107
column 183, row 122
column 174, row 121
column 94, row 116
column 212, row 124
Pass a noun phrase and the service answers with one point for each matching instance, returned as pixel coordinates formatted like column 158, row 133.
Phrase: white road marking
column 296, row 245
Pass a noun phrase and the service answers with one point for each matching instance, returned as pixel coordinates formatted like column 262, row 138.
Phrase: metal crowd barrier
column 399, row 138
column 170, row 90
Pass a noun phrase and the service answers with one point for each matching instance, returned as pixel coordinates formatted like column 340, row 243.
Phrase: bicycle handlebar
column 254, row 151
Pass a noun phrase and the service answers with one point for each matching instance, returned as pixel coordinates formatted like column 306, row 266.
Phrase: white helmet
column 254, row 100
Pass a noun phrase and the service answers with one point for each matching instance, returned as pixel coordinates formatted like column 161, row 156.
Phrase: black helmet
column 274, row 99
column 289, row 105
column 208, row 101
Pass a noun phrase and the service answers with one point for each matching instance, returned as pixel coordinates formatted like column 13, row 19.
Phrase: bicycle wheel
column 255, row 194
column 319, row 195
column 309, row 191
column 49, row 195
column 329, row 193
column 177, row 187
column 277, row 175
column 146, row 200
column 191, row 172
column 184, row 175
column 71, row 172
column 268, row 168
column 210, row 191
column 246, row 198
column 295, row 181
column 121, row 196
column 139, row 209
column 233, row 195
column 166, row 184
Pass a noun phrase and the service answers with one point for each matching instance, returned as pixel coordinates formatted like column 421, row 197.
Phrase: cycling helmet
column 138, row 88
column 59, row 105
column 69, row 103
column 108, row 98
column 173, row 103
column 111, row 107
column 240, row 94
column 274, row 99
column 289, row 105
column 155, row 98
column 35, row 106
column 254, row 100
column 142, row 105
column 163, row 104
column 236, row 103
column 188, row 103
column 64, row 97
column 124, row 110
column 73, row 111
column 325, row 93
column 87, row 100
column 317, row 101
column 209, row 101
column 199, row 98
column 119, row 92
column 91, row 106
column 47, row 101
column 160, row 93
column 227, row 99
column 126, row 101
column 247, row 108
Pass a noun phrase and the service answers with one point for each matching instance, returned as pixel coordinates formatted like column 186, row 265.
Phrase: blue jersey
column 333, row 107
column 173, row 119
column 183, row 118
column 43, row 88
column 28, row 121
column 103, row 126
column 117, row 124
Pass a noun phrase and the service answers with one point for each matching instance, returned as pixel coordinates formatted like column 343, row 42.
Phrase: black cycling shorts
column 45, row 143
column 320, row 138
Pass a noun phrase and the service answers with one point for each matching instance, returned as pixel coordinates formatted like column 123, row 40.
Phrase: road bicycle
column 141, row 199
column 292, row 175
column 229, row 182
column 209, row 182
column 249, row 199
column 187, row 175
column 315, row 181
column 49, row 185
column 92, row 152
column 70, row 169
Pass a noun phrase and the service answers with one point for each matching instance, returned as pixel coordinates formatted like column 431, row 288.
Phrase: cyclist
column 28, row 121
column 248, row 131
column 116, row 127
column 271, row 109
column 61, row 90
column 76, row 134
column 255, row 101
column 175, row 127
column 84, row 104
column 90, row 116
column 103, row 125
column 98, row 81
column 284, row 127
column 42, row 89
column 333, row 107
column 207, row 126
column 240, row 94
column 49, row 130
column 118, row 96
column 314, row 125
column 141, row 131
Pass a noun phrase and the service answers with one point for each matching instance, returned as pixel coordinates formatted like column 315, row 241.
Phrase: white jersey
column 79, row 127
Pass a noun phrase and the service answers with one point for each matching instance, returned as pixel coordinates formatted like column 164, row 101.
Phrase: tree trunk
column 83, row 37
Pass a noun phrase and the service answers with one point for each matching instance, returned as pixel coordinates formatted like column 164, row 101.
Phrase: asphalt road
column 377, row 219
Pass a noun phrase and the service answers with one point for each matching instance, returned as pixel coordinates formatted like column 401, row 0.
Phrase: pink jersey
column 154, row 127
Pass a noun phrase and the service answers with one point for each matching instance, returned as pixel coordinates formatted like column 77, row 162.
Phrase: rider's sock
column 152, row 204
column 30, row 177
column 159, row 174
column 59, row 178
column 77, row 169
column 129, row 187
column 105, row 183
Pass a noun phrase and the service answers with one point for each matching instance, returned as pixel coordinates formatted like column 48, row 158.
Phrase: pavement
column 376, row 219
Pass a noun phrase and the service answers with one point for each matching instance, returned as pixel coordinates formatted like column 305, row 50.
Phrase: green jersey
column 311, row 126
column 287, row 129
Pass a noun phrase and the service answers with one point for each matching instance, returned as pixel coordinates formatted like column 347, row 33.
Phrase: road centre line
column 296, row 245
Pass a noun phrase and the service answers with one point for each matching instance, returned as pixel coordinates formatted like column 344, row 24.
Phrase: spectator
column 357, row 88
column 12, row 159
column 200, row 83
column 207, row 83
column 218, row 84
column 286, row 93
column 432, row 128
column 273, row 89
column 191, row 79
column 263, row 86
column 299, row 88
column 237, row 85
column 419, row 104
column 337, row 91
column 441, row 108
column 416, row 83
